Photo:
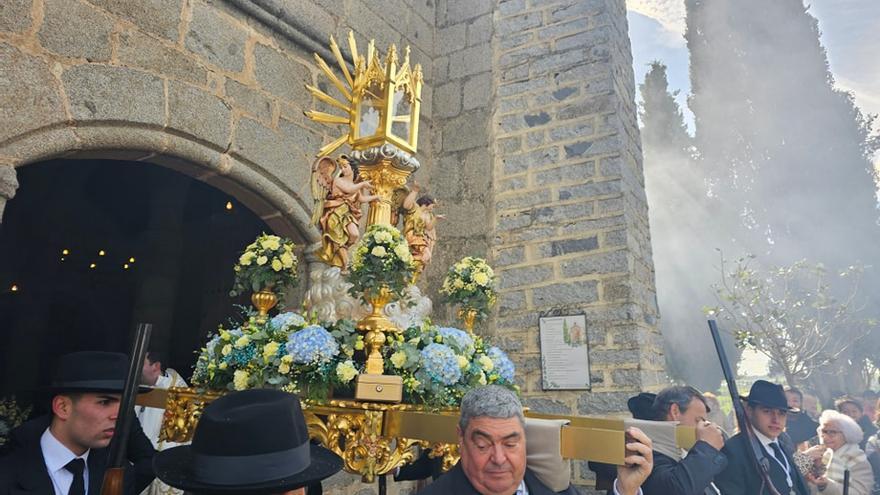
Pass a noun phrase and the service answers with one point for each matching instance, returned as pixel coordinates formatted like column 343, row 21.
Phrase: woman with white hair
column 840, row 445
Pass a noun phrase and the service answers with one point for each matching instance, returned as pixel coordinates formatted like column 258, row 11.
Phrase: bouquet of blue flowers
column 440, row 364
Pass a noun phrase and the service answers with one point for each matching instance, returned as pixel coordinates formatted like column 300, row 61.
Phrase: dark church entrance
column 89, row 248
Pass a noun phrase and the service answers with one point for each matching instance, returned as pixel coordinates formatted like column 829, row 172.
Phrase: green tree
column 797, row 318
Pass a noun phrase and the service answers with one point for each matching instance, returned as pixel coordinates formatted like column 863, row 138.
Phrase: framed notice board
column 565, row 355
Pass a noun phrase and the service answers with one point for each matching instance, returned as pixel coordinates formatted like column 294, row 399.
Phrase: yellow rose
column 482, row 378
column 262, row 260
column 359, row 345
column 270, row 243
column 240, row 379
column 284, row 368
column 398, row 359
column 458, row 284
column 481, row 278
column 345, row 371
column 225, row 335
column 379, row 252
column 242, row 341
column 223, row 365
column 287, row 260
column 462, row 362
column 402, row 251
column 277, row 265
column 246, row 259
column 270, row 350
column 287, row 359
column 486, row 363
column 226, row 350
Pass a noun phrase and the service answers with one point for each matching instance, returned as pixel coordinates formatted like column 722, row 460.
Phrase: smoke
column 781, row 167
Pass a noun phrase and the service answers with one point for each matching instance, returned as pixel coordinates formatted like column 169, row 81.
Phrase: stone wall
column 570, row 214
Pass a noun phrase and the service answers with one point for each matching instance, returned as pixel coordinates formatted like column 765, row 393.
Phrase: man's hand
column 638, row 465
column 710, row 433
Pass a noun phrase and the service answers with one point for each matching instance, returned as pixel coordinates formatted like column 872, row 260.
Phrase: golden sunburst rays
column 367, row 88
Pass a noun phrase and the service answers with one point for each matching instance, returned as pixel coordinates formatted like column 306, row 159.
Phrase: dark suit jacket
column 455, row 482
column 690, row 476
column 741, row 476
column 23, row 470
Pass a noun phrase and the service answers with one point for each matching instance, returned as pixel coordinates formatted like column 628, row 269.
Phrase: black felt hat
column 91, row 371
column 642, row 406
column 764, row 393
column 249, row 442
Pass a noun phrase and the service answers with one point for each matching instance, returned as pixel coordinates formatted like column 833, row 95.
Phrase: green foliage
column 792, row 315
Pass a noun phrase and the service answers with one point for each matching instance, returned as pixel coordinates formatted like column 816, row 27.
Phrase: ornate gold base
column 378, row 388
column 376, row 324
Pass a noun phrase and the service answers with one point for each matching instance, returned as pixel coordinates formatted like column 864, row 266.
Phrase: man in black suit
column 767, row 410
column 492, row 443
column 692, row 475
column 66, row 453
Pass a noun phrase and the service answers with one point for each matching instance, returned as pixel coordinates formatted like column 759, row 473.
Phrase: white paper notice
column 565, row 359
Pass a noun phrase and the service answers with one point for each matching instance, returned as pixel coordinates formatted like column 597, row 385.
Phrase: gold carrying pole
column 375, row 438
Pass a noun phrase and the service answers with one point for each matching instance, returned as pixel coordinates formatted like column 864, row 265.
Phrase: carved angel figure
column 338, row 197
column 420, row 226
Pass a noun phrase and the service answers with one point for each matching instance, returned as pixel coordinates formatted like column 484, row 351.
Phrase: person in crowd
column 716, row 414
column 841, row 436
column 869, row 404
column 852, row 407
column 693, row 474
column 492, row 444
column 872, row 452
column 641, row 406
column 811, row 406
column 155, row 374
column 65, row 452
column 800, row 427
column 767, row 410
column 252, row 442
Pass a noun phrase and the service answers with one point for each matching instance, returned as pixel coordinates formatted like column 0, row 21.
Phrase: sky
column 849, row 34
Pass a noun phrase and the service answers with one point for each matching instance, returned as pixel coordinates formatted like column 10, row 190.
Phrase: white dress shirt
column 56, row 456
column 765, row 442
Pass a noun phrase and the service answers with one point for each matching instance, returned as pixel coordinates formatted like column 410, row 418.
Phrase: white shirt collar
column 764, row 439
column 55, row 454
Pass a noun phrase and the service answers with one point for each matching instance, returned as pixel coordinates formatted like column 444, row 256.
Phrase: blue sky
column 850, row 34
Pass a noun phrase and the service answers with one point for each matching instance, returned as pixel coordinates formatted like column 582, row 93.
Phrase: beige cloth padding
column 661, row 433
column 543, row 443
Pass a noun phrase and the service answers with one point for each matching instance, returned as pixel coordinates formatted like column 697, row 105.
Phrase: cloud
column 669, row 13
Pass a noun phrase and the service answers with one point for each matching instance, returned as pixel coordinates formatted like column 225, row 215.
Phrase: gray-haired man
column 492, row 442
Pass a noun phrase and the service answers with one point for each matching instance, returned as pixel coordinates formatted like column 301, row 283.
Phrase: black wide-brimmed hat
column 764, row 393
column 642, row 406
column 91, row 371
column 249, row 442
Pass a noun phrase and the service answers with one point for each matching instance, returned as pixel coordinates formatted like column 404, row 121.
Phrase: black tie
column 78, row 487
column 777, row 452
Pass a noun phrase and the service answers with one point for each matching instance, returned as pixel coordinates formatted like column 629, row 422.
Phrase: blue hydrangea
column 241, row 356
column 312, row 345
column 283, row 321
column 211, row 347
column 503, row 365
column 440, row 363
column 459, row 338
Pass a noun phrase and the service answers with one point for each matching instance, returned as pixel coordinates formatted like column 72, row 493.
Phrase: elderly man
column 767, row 410
column 692, row 475
column 492, row 443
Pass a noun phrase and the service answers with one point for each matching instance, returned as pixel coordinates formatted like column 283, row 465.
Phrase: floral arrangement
column 11, row 415
column 471, row 283
column 285, row 352
column 381, row 259
column 266, row 263
column 440, row 364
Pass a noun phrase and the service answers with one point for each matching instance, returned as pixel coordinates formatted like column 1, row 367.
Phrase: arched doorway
column 90, row 247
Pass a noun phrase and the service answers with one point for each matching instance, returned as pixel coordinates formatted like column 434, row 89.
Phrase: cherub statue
column 338, row 197
column 419, row 226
